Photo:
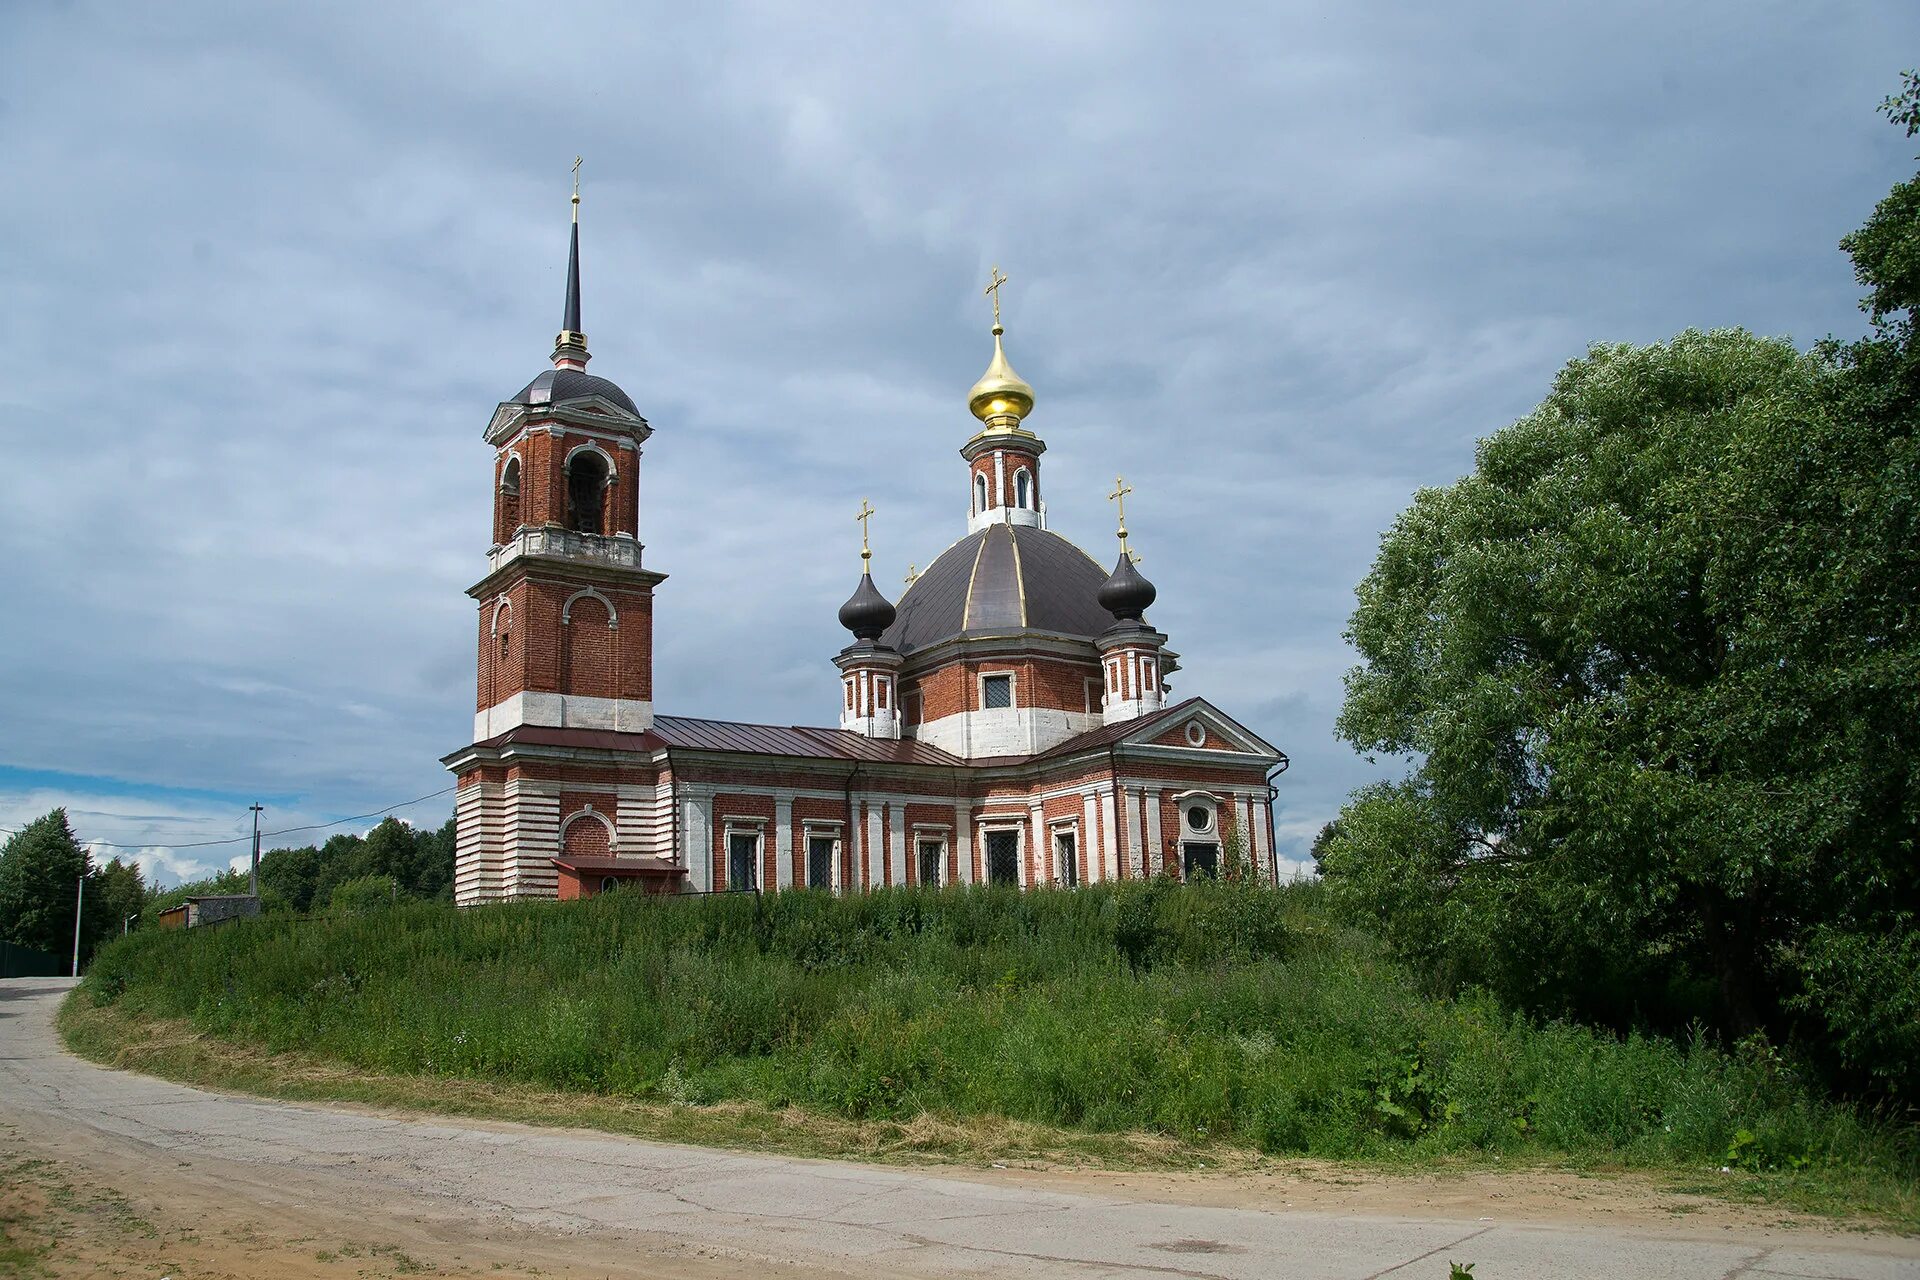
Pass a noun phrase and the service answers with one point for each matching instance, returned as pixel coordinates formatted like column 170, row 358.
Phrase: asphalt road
column 561, row 1185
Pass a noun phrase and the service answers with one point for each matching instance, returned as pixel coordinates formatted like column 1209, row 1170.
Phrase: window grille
column 996, row 692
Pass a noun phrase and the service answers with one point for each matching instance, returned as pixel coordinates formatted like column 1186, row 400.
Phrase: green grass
column 1209, row 1015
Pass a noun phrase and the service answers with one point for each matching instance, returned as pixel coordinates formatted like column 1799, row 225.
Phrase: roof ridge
column 749, row 724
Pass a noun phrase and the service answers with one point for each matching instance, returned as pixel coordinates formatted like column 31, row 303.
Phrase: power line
column 264, row 835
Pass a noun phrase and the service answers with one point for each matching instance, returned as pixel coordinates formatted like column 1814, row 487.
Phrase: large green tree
column 1657, row 662
column 41, row 867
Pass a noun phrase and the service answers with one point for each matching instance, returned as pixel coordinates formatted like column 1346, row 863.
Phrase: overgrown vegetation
column 1657, row 661
column 41, row 867
column 1211, row 1013
column 416, row 863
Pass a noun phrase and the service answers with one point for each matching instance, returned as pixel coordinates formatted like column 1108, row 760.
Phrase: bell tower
column 566, row 606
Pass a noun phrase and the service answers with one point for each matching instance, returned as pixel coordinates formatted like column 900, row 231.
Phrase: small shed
column 209, row 909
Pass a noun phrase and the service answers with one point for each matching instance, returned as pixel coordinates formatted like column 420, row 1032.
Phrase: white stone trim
column 870, row 852
column 566, row 610
column 613, row 832
column 783, row 840
column 591, row 446
column 963, row 840
column 563, row 711
column 1019, row 825
column 744, row 825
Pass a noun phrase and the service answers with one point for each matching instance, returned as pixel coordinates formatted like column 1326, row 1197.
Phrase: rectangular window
column 820, row 862
column 1201, row 860
column 1066, row 857
column 932, row 854
column 996, row 692
column 1003, row 857
column 743, row 857
column 1093, row 696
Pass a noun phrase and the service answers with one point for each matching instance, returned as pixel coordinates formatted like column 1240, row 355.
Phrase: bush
column 1206, row 1012
column 367, row 893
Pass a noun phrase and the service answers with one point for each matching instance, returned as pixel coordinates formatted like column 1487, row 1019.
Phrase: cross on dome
column 865, row 514
column 1119, row 496
column 995, row 280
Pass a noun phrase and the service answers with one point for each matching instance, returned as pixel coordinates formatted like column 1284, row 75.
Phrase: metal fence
column 24, row 962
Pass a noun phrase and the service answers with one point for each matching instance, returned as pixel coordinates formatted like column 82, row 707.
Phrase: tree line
column 43, row 864
column 1656, row 664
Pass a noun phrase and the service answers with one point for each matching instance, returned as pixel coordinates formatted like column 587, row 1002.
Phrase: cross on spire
column 1119, row 495
column 576, row 188
column 865, row 514
column 993, row 291
column 913, row 574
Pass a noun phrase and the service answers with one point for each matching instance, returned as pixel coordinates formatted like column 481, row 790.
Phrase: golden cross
column 576, row 188
column 866, row 513
column 1119, row 496
column 993, row 291
column 913, row 574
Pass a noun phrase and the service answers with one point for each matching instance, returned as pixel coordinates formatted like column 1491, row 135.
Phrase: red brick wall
column 1058, row 685
column 1008, row 496
column 588, row 642
column 742, row 804
column 588, row 838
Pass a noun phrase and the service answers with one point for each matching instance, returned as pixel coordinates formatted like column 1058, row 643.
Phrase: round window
column 1196, row 734
column 1199, row 817
column 609, row 883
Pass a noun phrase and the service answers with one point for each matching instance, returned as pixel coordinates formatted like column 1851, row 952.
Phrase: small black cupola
column 866, row 613
column 1126, row 594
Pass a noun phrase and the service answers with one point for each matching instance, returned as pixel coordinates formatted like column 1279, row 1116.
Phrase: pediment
column 1198, row 725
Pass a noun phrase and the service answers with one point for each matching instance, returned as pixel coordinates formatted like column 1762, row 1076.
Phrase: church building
column 1007, row 721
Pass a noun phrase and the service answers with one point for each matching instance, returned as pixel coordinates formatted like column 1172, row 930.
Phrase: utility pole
column 253, row 876
column 79, row 900
column 126, row 926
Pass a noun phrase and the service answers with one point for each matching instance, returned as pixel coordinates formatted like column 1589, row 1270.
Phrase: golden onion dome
column 1001, row 394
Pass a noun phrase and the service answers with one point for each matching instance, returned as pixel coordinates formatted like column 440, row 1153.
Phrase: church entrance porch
column 582, row 877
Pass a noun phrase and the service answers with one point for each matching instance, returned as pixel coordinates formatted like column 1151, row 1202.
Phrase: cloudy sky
column 267, row 270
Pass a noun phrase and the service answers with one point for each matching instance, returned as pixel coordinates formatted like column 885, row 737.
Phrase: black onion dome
column 1126, row 594
column 558, row 385
column 1006, row 577
column 866, row 613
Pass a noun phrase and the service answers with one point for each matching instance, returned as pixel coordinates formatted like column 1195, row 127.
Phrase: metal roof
column 793, row 740
column 557, row 385
column 689, row 733
column 1005, row 577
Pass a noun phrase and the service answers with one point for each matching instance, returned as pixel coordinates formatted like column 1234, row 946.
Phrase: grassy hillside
column 1211, row 1014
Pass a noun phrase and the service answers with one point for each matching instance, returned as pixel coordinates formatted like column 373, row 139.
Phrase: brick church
column 1007, row 721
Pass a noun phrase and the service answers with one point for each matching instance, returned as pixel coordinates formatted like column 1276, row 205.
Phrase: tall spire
column 570, row 348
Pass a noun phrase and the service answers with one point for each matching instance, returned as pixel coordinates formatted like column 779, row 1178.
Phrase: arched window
column 509, row 499
column 586, row 491
column 1022, row 489
column 980, row 493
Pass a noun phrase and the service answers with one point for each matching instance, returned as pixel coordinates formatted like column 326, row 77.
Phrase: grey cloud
column 274, row 267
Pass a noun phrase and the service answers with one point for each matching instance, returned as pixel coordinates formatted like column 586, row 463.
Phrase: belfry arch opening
column 587, row 479
column 508, row 508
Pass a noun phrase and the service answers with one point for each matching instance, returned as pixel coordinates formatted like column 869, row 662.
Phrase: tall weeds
column 1205, row 1012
